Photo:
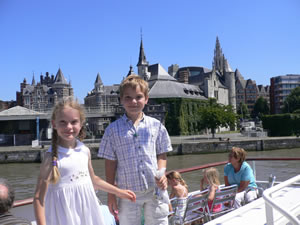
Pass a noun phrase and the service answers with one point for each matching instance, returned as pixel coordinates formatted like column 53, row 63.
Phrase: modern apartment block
column 281, row 87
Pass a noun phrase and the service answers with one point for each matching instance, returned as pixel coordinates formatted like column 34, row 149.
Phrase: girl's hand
column 127, row 194
column 162, row 183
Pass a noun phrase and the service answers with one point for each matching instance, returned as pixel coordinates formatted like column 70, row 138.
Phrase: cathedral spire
column 33, row 80
column 142, row 56
column 218, row 57
column 142, row 63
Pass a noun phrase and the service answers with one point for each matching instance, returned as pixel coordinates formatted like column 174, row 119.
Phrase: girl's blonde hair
column 134, row 81
column 66, row 102
column 212, row 175
column 177, row 176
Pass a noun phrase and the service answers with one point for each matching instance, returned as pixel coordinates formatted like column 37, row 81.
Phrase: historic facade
column 42, row 96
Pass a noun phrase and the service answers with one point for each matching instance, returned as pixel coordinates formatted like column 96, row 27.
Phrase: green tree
column 243, row 111
column 292, row 101
column 261, row 107
column 214, row 115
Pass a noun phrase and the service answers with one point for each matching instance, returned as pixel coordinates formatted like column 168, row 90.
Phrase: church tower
column 143, row 64
column 61, row 86
column 98, row 85
column 230, row 83
column 218, row 62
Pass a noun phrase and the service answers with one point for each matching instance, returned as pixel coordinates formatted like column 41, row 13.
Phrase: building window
column 216, row 95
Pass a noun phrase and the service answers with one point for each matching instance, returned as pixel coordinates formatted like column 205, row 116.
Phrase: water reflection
column 23, row 176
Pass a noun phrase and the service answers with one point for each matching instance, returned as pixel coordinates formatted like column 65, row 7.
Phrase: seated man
column 7, row 196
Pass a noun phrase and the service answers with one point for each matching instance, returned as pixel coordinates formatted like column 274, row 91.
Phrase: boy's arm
column 162, row 163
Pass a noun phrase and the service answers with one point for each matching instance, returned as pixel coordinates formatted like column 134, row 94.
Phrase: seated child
column 179, row 189
column 211, row 181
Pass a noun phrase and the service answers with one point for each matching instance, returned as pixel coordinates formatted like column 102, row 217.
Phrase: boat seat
column 196, row 208
column 260, row 190
column 225, row 196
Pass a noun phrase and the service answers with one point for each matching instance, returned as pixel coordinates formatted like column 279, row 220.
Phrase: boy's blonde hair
column 177, row 176
column 66, row 102
column 212, row 175
column 133, row 81
column 237, row 152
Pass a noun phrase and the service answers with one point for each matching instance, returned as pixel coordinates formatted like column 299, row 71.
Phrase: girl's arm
column 212, row 192
column 41, row 190
column 105, row 186
column 162, row 163
column 202, row 184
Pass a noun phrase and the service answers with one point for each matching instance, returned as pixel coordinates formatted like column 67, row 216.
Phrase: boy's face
column 134, row 101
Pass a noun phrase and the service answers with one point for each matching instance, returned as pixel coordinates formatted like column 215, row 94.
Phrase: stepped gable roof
column 60, row 79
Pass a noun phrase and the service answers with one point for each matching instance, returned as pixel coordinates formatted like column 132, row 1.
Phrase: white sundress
column 72, row 201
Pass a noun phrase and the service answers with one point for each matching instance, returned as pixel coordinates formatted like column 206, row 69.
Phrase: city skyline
column 260, row 39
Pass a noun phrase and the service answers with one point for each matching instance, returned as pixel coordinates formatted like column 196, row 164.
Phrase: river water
column 23, row 176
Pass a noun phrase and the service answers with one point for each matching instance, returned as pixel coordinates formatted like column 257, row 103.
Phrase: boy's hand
column 162, row 183
column 130, row 195
column 112, row 205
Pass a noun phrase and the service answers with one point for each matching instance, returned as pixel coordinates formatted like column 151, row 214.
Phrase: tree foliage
column 214, row 115
column 261, row 107
column 292, row 102
column 243, row 111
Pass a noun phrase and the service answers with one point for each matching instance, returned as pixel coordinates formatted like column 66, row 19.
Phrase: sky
column 260, row 38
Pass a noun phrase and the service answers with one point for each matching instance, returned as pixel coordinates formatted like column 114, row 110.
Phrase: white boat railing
column 271, row 204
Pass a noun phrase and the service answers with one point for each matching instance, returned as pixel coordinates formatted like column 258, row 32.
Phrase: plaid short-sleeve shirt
column 135, row 150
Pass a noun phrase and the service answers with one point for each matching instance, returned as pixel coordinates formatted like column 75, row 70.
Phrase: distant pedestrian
column 7, row 196
column 65, row 192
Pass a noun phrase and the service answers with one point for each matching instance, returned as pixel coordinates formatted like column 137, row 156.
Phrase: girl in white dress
column 65, row 192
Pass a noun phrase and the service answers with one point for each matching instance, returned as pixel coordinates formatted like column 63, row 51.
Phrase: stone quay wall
column 27, row 154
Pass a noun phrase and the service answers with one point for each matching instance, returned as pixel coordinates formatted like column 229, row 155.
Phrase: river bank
column 198, row 144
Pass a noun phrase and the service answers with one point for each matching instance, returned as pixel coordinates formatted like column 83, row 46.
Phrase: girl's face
column 68, row 126
column 172, row 182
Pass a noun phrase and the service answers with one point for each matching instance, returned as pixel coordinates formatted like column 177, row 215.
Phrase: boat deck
column 255, row 212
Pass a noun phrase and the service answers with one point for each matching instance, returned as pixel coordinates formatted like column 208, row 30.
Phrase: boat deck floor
column 255, row 212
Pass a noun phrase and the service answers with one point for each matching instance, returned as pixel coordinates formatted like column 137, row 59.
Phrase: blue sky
column 259, row 37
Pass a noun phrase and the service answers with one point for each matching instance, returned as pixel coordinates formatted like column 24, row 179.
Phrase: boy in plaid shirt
column 134, row 147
